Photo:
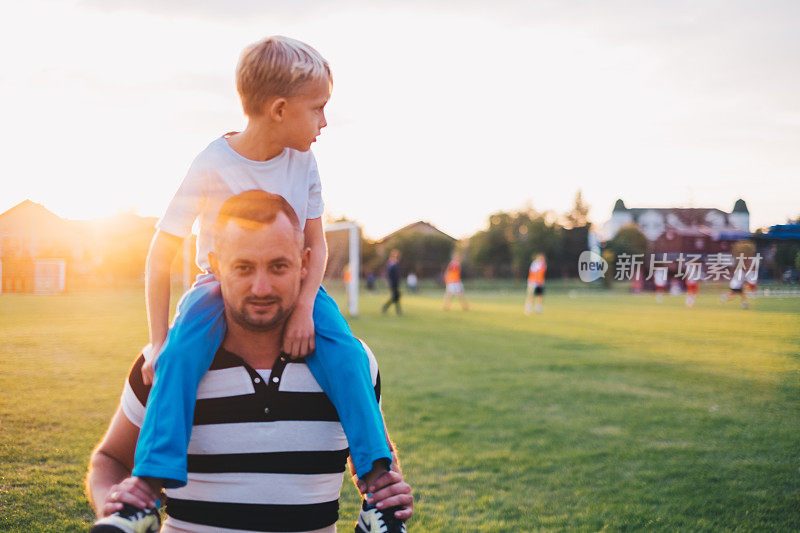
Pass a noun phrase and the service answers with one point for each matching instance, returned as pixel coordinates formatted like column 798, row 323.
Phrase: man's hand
column 298, row 337
column 390, row 490
column 134, row 491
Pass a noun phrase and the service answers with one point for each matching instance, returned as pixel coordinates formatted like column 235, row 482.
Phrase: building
column 689, row 230
column 43, row 253
column 425, row 250
column 779, row 248
column 36, row 248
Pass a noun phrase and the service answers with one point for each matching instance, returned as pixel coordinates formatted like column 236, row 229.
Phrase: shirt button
column 266, row 410
column 257, row 380
column 275, row 379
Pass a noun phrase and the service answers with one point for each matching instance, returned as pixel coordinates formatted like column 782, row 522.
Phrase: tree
column 628, row 240
column 506, row 247
column 578, row 215
column 490, row 250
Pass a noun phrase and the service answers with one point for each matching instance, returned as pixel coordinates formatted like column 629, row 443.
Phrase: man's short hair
column 276, row 66
column 252, row 209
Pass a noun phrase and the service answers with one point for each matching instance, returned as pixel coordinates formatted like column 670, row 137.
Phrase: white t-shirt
column 219, row 172
column 737, row 279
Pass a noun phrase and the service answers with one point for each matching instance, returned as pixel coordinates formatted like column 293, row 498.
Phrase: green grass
column 604, row 413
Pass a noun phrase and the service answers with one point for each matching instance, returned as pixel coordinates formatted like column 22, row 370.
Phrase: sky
column 443, row 111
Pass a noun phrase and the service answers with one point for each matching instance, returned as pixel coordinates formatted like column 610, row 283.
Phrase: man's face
column 305, row 114
column 260, row 271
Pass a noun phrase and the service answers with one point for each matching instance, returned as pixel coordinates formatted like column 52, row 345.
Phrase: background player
column 535, row 296
column 453, row 285
column 692, row 280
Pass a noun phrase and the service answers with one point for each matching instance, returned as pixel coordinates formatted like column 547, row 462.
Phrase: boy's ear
column 277, row 108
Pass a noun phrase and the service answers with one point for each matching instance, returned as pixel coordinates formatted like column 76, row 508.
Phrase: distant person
column 453, row 285
column 370, row 278
column 751, row 279
column 283, row 85
column 393, row 276
column 660, row 280
column 535, row 297
column 736, row 286
column 692, row 279
column 412, row 282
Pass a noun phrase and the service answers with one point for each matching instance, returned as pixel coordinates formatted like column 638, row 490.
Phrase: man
column 393, row 276
column 267, row 450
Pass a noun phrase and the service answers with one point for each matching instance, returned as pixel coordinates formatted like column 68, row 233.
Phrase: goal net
column 344, row 252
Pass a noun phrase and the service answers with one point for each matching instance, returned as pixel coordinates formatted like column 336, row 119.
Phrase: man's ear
column 305, row 259
column 213, row 262
column 277, row 109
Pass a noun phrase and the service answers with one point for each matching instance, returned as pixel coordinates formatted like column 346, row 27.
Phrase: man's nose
column 261, row 284
column 324, row 122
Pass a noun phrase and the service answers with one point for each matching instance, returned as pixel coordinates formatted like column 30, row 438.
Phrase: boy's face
column 304, row 115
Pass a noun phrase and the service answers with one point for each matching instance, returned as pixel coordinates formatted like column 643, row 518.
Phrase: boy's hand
column 148, row 368
column 391, row 490
column 298, row 337
column 133, row 491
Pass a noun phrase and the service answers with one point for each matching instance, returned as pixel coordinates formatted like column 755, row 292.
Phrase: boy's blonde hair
column 276, row 66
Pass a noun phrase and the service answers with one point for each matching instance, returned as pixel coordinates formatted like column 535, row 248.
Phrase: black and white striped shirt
column 267, row 451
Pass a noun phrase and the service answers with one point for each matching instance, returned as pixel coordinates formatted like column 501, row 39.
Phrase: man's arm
column 390, row 489
column 298, row 340
column 108, row 484
column 163, row 249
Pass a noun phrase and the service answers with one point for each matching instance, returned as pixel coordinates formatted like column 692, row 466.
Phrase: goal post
column 353, row 261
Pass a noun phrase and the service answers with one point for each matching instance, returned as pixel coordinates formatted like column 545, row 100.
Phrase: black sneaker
column 129, row 520
column 374, row 520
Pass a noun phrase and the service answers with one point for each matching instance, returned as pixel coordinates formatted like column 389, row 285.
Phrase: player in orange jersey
column 452, row 283
column 535, row 297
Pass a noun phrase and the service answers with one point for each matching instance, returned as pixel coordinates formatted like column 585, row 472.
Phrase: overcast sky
column 441, row 111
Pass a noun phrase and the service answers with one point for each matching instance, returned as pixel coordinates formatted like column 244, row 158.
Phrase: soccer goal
column 344, row 253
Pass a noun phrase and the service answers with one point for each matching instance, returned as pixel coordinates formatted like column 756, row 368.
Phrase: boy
column 284, row 85
column 535, row 284
column 453, row 285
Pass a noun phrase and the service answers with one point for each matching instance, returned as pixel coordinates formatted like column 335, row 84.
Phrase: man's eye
column 243, row 268
column 280, row 267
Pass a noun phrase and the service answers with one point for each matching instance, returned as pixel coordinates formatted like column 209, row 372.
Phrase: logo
column 591, row 266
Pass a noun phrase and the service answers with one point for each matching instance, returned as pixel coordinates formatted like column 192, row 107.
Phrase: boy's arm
column 390, row 489
column 163, row 249
column 298, row 339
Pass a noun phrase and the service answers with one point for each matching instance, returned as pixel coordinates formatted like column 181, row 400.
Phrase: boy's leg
column 193, row 340
column 341, row 367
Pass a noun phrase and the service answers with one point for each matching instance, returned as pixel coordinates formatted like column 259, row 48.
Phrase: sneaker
column 129, row 520
column 374, row 520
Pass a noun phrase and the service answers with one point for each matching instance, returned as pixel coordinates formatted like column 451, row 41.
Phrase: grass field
column 604, row 413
